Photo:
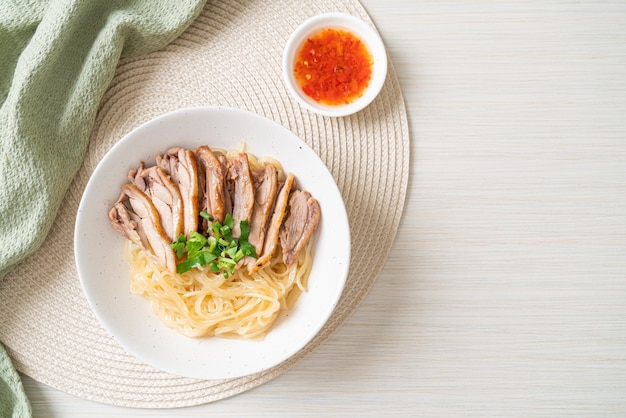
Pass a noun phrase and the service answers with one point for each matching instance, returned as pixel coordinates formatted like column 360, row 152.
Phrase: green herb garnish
column 220, row 250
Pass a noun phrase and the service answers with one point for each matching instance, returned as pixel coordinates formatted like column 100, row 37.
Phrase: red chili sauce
column 333, row 67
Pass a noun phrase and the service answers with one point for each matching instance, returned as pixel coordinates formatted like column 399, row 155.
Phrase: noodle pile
column 202, row 303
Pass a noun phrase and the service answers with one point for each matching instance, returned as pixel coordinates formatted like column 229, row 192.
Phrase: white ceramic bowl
column 104, row 274
column 351, row 24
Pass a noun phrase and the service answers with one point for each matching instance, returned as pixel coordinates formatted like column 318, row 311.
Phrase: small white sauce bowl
column 349, row 23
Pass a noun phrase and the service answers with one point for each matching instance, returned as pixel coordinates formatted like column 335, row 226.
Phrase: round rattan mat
column 230, row 56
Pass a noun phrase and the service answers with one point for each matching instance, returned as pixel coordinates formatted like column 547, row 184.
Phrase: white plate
column 104, row 274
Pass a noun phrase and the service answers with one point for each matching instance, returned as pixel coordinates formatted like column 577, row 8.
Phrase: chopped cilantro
column 220, row 250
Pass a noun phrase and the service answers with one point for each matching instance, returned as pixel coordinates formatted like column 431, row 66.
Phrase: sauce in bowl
column 333, row 67
column 334, row 64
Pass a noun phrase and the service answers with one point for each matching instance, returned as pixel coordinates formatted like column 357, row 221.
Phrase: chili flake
column 333, row 67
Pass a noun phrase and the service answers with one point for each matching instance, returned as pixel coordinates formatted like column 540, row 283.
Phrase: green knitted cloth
column 13, row 401
column 57, row 58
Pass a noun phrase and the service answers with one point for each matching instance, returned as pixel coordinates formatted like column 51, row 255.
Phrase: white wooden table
column 505, row 293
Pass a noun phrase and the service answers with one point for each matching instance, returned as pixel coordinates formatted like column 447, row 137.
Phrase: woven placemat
column 230, row 56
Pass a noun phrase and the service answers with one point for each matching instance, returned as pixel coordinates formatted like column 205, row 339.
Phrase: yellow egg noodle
column 201, row 303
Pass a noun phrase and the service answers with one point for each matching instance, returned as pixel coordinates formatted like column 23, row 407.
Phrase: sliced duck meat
column 164, row 201
column 135, row 217
column 180, row 164
column 243, row 196
column 303, row 216
column 135, row 177
column 211, row 177
column 165, row 196
column 229, row 185
column 127, row 223
column 278, row 214
column 265, row 188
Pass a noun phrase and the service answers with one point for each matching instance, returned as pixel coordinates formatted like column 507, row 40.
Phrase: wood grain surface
column 505, row 292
